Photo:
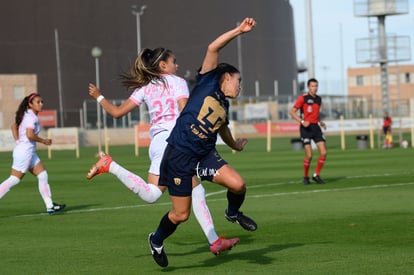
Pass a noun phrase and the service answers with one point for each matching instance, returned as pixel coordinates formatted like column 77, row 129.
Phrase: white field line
column 221, row 199
column 333, row 190
column 296, row 182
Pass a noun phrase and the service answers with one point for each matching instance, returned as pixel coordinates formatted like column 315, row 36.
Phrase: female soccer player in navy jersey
column 154, row 82
column 309, row 105
column 191, row 145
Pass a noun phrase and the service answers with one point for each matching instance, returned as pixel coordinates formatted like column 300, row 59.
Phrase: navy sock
column 235, row 201
column 164, row 230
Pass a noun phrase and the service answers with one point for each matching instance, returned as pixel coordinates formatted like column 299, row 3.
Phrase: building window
column 18, row 92
column 360, row 80
column 407, row 78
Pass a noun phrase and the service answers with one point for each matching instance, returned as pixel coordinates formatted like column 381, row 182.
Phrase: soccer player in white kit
column 154, row 82
column 25, row 131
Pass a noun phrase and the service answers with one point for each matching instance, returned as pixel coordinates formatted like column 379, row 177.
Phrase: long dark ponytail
column 24, row 105
column 146, row 68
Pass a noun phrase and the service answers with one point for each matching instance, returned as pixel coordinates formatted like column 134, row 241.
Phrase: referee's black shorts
column 312, row 132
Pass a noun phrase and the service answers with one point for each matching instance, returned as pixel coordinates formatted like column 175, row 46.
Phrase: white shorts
column 156, row 151
column 24, row 159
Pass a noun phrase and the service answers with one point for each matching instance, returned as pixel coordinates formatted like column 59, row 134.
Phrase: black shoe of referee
column 318, row 179
column 306, row 180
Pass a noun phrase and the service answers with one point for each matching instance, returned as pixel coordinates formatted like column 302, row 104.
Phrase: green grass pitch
column 360, row 222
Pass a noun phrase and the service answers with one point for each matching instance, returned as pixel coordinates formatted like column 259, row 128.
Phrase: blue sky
column 334, row 22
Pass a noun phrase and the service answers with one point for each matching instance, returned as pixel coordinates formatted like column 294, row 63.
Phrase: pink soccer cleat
column 102, row 166
column 223, row 244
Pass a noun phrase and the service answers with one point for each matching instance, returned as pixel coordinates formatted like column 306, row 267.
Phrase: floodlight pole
column 239, row 53
column 137, row 13
column 96, row 53
column 138, row 18
column 382, row 41
column 59, row 77
column 309, row 40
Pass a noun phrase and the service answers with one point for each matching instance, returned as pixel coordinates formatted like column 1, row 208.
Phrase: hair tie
column 159, row 57
column 32, row 96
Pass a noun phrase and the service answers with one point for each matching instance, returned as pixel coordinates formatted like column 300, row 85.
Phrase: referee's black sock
column 164, row 230
column 235, row 201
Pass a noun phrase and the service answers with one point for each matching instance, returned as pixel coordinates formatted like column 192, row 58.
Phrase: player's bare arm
column 15, row 131
column 114, row 110
column 33, row 137
column 295, row 116
column 211, row 59
column 235, row 144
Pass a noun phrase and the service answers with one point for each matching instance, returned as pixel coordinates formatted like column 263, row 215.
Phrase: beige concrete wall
column 13, row 88
column 90, row 137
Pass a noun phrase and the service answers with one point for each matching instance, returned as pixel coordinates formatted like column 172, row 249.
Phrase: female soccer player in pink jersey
column 25, row 131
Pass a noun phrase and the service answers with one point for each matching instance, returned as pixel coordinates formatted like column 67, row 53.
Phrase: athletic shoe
column 318, row 179
column 222, row 244
column 306, row 180
column 244, row 221
column 102, row 166
column 56, row 208
column 158, row 253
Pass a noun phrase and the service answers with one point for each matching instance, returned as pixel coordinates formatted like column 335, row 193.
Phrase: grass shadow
column 258, row 256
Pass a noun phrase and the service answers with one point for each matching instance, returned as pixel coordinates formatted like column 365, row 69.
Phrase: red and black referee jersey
column 309, row 107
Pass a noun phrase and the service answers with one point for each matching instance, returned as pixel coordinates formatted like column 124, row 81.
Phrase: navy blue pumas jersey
column 195, row 132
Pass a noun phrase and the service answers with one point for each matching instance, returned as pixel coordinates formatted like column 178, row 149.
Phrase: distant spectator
column 387, row 123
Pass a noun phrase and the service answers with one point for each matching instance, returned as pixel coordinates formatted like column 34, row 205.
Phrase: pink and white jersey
column 31, row 121
column 162, row 102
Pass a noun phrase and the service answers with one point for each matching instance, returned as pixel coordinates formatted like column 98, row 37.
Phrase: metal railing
column 257, row 109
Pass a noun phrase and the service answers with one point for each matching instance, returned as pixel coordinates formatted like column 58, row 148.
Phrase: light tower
column 381, row 48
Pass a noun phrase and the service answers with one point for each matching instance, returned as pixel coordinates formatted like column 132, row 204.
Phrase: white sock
column 6, row 185
column 202, row 213
column 44, row 189
column 148, row 192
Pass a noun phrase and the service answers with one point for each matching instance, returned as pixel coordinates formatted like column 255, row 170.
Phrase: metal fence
column 267, row 108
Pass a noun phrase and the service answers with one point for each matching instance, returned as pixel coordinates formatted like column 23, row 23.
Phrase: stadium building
column 38, row 34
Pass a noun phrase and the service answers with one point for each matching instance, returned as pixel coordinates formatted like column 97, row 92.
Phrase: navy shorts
column 177, row 170
column 313, row 131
